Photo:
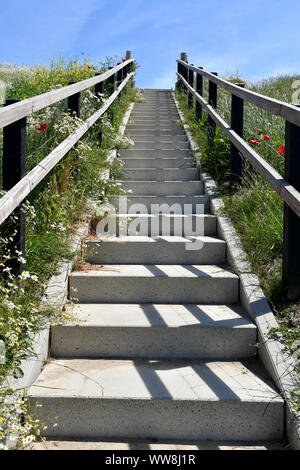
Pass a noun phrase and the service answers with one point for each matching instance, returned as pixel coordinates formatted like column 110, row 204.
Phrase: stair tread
column 69, row 443
column 161, row 270
column 159, row 181
column 156, row 239
column 141, row 379
column 159, row 315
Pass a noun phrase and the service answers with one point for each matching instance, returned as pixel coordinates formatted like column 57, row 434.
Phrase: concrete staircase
column 163, row 349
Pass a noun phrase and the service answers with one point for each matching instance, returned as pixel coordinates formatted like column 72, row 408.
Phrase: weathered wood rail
column 288, row 187
column 13, row 121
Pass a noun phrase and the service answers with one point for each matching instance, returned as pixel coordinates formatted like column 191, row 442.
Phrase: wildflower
column 281, row 150
column 253, row 141
column 260, row 132
column 266, row 137
column 43, row 127
column 25, row 275
column 34, row 277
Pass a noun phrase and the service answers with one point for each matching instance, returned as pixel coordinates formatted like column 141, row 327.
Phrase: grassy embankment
column 53, row 210
column 255, row 209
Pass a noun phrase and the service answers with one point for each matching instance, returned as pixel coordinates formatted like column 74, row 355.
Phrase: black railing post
column 237, row 124
column 128, row 67
column 74, row 102
column 212, row 100
column 184, row 70
column 112, row 81
column 99, row 86
column 100, row 134
column 13, row 170
column 291, row 222
column 178, row 81
column 191, row 83
column 119, row 77
column 199, row 90
column 99, row 91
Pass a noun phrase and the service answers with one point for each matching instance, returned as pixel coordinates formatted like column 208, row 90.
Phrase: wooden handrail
column 17, row 111
column 11, row 200
column 285, row 110
column 287, row 192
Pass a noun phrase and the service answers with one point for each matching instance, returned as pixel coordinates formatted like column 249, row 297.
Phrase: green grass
column 54, row 209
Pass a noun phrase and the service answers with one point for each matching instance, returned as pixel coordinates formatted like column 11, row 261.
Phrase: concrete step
column 210, row 284
column 160, row 174
column 149, row 204
column 155, row 250
column 175, row 131
column 155, row 117
column 153, row 126
column 159, row 122
column 152, row 444
column 157, row 162
column 175, row 399
column 149, row 145
column 154, row 106
column 159, row 112
column 155, row 331
column 175, row 188
column 170, row 139
column 148, row 153
column 162, row 225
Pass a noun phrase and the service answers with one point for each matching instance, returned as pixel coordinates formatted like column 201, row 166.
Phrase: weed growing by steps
column 53, row 213
column 254, row 207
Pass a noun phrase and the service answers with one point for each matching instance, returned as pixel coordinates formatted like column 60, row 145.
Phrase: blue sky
column 256, row 38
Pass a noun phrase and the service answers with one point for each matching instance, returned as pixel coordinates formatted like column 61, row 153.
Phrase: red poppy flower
column 281, row 150
column 253, row 141
column 43, row 127
column 259, row 132
column 266, row 137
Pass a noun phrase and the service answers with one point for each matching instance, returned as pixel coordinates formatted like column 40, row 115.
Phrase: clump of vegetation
column 53, row 212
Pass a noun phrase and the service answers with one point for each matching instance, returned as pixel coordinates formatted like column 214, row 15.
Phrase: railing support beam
column 191, row 83
column 14, row 169
column 291, row 222
column 199, row 89
column 184, row 70
column 99, row 86
column 212, row 100
column 237, row 124
column 74, row 102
